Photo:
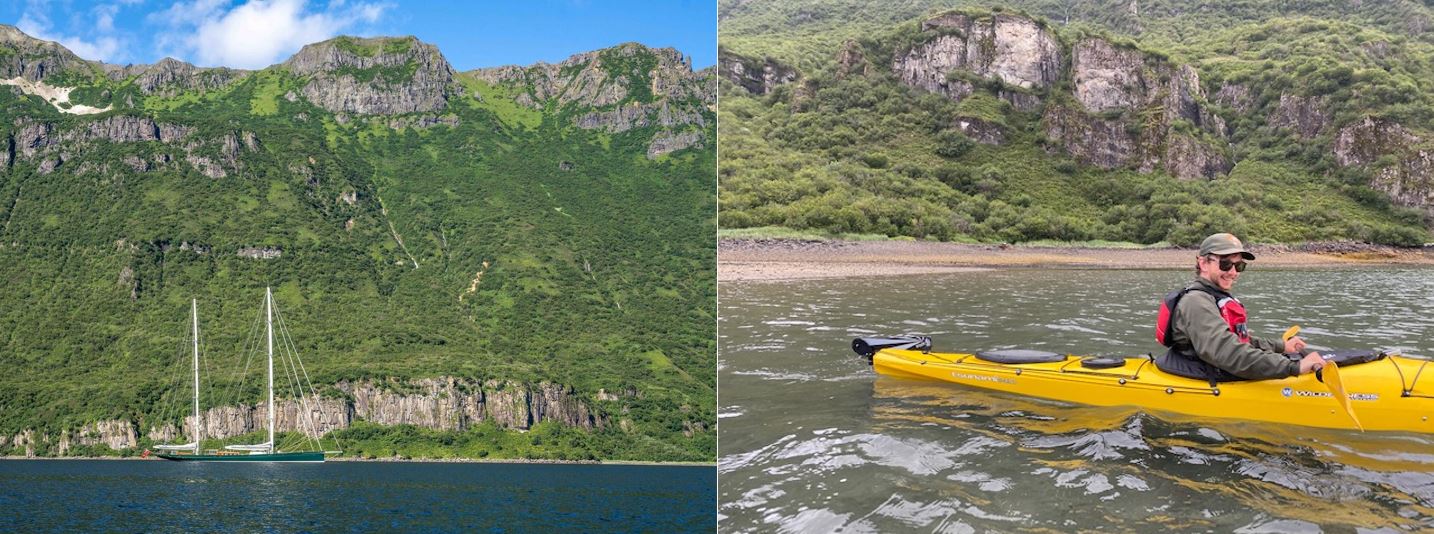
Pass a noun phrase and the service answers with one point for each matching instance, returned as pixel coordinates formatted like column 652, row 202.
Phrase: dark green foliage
column 803, row 159
column 601, row 277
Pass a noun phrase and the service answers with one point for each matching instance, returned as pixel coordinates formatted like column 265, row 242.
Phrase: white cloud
column 257, row 33
column 103, row 46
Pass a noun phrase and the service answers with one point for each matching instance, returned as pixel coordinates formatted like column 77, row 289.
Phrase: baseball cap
column 1222, row 244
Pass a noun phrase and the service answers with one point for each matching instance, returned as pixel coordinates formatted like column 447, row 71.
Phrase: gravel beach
column 740, row 260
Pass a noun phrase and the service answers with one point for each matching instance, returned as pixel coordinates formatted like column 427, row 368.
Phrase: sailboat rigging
column 260, row 452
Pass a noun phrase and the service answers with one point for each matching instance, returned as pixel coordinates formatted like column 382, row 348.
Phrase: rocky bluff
column 1105, row 103
column 619, row 89
column 443, row 403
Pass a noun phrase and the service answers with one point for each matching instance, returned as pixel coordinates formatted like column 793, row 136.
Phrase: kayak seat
column 1101, row 362
column 1020, row 356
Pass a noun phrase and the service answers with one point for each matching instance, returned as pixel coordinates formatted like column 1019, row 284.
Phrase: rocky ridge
column 377, row 76
column 34, row 59
column 614, row 86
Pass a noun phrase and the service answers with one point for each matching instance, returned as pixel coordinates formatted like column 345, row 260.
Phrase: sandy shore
column 741, row 260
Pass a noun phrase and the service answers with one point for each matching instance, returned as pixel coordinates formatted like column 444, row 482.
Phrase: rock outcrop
column 1234, row 96
column 757, row 76
column 1365, row 141
column 1017, row 51
column 443, row 403
column 378, row 76
column 1131, row 110
column 851, row 61
column 619, row 89
column 260, row 253
column 667, row 141
column 34, row 60
column 170, row 77
column 1408, row 175
column 1307, row 116
column 117, row 434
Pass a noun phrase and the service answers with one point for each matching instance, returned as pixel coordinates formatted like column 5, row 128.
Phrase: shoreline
column 778, row 259
column 403, row 460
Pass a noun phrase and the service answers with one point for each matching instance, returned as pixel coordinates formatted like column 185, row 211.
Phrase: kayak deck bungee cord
column 1386, row 391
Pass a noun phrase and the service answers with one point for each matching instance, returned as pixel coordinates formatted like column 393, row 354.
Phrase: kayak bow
column 1385, row 388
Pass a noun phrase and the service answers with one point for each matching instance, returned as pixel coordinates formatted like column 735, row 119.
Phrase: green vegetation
column 101, row 261
column 864, row 154
column 499, row 101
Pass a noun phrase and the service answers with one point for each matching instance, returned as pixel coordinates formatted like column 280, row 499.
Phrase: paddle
column 1329, row 376
column 1331, row 379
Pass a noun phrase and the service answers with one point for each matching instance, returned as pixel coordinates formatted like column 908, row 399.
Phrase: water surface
column 162, row 496
column 811, row 440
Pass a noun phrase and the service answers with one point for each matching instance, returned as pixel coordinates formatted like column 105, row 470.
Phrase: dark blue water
column 160, row 496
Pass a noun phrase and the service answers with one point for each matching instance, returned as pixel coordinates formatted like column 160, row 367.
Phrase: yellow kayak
column 1387, row 391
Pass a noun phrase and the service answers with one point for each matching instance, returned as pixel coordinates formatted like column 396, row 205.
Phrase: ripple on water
column 911, row 456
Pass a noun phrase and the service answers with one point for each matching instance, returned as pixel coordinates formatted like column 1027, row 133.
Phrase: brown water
column 812, row 441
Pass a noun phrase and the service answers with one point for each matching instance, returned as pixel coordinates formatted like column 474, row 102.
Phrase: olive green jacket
column 1199, row 324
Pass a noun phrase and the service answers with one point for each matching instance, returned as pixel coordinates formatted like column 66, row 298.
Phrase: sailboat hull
column 307, row 456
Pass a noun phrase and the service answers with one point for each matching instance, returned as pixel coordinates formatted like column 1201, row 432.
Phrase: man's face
column 1223, row 278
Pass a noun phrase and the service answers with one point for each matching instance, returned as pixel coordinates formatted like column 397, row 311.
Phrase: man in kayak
column 1204, row 325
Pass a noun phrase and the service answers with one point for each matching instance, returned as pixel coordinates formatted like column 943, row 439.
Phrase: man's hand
column 1294, row 345
column 1311, row 362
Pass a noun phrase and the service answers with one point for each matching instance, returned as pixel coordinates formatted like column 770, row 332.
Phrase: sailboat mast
column 194, row 307
column 269, row 322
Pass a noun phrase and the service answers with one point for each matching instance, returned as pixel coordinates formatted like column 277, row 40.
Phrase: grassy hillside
column 503, row 243
column 865, row 154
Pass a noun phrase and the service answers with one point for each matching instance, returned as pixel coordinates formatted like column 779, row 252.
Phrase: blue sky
column 253, row 34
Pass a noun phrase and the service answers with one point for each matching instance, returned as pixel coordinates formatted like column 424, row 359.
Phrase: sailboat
column 260, row 452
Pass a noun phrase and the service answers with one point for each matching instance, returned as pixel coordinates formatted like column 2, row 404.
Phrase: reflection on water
column 813, row 441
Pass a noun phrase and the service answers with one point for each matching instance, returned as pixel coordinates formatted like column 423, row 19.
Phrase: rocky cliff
column 443, row 403
column 1129, row 113
column 33, row 59
column 1126, row 108
column 1403, row 163
column 378, row 76
column 1016, row 51
column 170, row 77
column 757, row 76
column 54, row 144
column 622, row 88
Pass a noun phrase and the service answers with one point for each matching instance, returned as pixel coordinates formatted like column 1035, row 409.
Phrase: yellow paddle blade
column 1290, row 333
column 1336, row 386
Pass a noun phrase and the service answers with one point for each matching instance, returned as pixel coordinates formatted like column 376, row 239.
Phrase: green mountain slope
column 1155, row 121
column 415, row 223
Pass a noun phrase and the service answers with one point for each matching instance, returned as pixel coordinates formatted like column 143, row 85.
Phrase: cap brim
column 1245, row 253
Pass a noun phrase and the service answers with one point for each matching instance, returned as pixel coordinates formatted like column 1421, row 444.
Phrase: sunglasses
column 1226, row 264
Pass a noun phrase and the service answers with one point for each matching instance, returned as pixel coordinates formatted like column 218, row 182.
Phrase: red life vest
column 1230, row 309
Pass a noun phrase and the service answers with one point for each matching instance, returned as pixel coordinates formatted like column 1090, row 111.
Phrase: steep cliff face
column 1234, row 96
column 1409, row 179
column 1127, row 109
column 757, row 76
column 1015, row 50
column 378, row 76
column 1141, row 102
column 53, row 147
column 443, row 403
column 1307, row 116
